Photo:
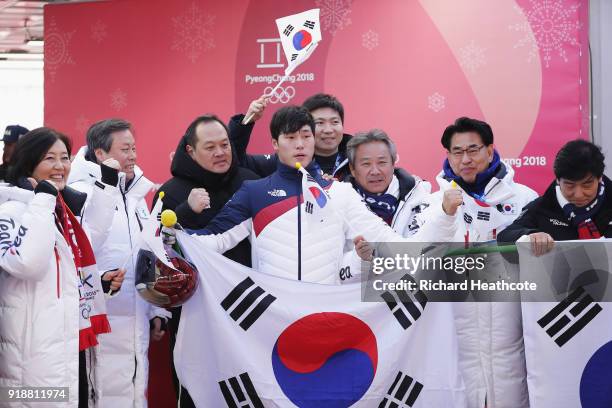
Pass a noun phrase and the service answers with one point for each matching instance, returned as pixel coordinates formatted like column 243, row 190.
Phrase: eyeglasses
column 471, row 151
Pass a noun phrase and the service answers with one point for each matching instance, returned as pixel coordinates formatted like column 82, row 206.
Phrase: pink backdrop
column 408, row 67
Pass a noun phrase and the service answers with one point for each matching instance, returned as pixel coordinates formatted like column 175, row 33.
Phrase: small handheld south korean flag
column 316, row 200
column 300, row 34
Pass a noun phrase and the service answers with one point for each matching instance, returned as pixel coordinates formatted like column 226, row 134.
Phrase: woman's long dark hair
column 31, row 149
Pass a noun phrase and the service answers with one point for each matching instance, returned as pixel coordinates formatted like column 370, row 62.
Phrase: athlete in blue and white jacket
column 268, row 211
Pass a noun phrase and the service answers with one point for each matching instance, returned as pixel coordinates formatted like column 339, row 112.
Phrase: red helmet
column 161, row 285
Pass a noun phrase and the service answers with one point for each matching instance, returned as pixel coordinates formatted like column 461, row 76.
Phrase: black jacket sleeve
column 261, row 164
column 525, row 224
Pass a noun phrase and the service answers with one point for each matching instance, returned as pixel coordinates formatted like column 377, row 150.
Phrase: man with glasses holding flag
column 491, row 352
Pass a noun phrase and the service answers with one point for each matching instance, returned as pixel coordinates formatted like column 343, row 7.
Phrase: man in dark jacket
column 205, row 176
column 577, row 205
column 330, row 139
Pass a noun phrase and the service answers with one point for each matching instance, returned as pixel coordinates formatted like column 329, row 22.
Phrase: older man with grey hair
column 122, row 361
column 395, row 195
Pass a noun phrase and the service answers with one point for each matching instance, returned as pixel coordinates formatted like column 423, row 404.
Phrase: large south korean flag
column 299, row 34
column 250, row 339
column 568, row 343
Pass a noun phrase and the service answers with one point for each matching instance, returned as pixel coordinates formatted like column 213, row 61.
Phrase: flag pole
column 248, row 118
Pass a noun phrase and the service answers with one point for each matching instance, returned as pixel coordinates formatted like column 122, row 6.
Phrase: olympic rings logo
column 282, row 95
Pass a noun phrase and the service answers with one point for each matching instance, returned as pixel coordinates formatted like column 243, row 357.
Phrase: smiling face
column 212, row 151
column 373, row 168
column 328, row 131
column 468, row 156
column 295, row 147
column 54, row 166
column 123, row 149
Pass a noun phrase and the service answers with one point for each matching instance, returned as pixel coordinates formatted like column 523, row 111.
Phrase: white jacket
column 284, row 243
column 492, row 356
column 39, row 296
column 413, row 207
column 123, row 360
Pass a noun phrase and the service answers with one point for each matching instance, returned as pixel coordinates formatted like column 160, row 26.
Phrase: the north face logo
column 278, row 193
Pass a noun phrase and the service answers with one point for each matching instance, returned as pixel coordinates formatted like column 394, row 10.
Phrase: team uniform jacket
column 123, row 359
column 285, row 242
column 39, row 295
column 490, row 333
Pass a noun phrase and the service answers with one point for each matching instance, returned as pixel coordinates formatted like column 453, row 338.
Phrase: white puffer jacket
column 123, row 360
column 491, row 350
column 39, row 296
column 283, row 241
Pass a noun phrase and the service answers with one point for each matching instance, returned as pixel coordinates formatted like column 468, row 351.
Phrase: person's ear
column 189, row 150
column 490, row 148
column 275, row 144
column 101, row 155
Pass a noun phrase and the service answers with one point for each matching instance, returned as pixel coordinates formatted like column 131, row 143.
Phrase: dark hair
column 465, row 124
column 577, row 159
column 31, row 149
column 190, row 134
column 99, row 136
column 322, row 100
column 289, row 119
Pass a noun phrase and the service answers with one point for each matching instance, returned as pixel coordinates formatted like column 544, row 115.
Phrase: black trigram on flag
column 403, row 392
column 251, row 307
column 288, row 30
column 240, row 392
column 309, row 24
column 467, row 218
column 566, row 326
column 293, row 57
column 402, row 301
column 309, row 207
column 483, row 215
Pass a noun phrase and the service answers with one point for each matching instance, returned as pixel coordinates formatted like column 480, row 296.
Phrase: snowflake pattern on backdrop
column 118, row 99
column 369, row 40
column 436, row 102
column 81, row 125
column 56, row 48
column 334, row 14
column 193, row 32
column 98, row 31
column 550, row 25
column 472, row 57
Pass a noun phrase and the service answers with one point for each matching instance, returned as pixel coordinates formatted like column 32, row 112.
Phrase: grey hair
column 374, row 135
column 99, row 135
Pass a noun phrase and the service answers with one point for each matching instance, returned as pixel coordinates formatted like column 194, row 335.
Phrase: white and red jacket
column 271, row 214
column 491, row 350
column 39, row 296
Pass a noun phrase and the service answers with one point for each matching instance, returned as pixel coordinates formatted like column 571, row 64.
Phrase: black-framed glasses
column 471, row 151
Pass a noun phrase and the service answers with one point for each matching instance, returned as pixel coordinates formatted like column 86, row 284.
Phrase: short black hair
column 465, row 124
column 31, row 149
column 577, row 159
column 290, row 119
column 190, row 134
column 99, row 135
column 322, row 100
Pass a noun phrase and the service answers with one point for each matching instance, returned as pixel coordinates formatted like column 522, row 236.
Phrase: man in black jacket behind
column 205, row 176
column 577, row 205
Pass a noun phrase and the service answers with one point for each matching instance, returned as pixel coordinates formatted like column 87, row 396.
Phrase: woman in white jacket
column 47, row 311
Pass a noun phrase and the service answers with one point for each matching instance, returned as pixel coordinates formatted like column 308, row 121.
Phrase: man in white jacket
column 123, row 362
column 285, row 240
column 491, row 347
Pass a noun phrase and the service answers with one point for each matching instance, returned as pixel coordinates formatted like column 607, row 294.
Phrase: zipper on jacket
column 299, row 229
column 57, row 270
